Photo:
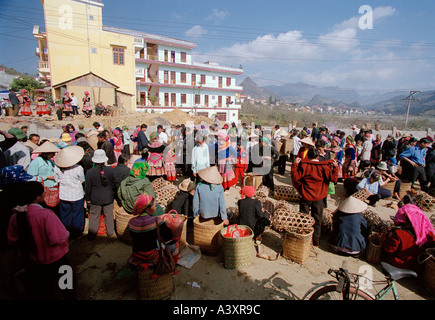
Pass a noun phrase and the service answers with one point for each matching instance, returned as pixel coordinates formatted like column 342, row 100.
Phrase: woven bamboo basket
column 362, row 194
column 427, row 202
column 159, row 288
column 206, row 234
column 121, row 222
column 327, row 221
column 237, row 251
column 429, row 269
column 253, row 180
column 432, row 219
column 296, row 246
column 262, row 192
column 283, row 192
column 166, row 194
column 404, row 188
column 291, row 221
column 159, row 183
column 268, row 206
column 374, row 248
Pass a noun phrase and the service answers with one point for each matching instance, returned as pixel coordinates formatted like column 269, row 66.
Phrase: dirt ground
column 102, row 272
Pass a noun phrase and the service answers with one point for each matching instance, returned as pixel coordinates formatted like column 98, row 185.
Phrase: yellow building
column 77, row 55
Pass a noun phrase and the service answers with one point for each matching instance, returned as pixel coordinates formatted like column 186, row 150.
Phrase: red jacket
column 312, row 178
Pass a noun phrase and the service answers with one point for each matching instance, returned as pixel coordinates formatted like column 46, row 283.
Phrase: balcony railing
column 44, row 67
column 140, row 72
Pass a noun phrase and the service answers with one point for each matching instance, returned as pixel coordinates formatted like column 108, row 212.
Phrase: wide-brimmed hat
column 308, row 141
column 211, row 175
column 187, row 185
column 66, row 137
column 283, row 132
column 99, row 156
column 46, row 147
column 352, row 205
column 69, row 156
column 382, row 166
column 93, row 142
column 31, row 145
column 17, row 132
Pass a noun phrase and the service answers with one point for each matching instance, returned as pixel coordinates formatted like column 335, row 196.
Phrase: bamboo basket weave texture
column 159, row 288
column 283, row 192
column 237, row 252
column 427, row 202
column 374, row 248
column 429, row 270
column 206, row 234
column 121, row 222
column 296, row 246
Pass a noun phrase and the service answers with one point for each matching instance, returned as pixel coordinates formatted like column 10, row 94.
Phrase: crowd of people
column 51, row 188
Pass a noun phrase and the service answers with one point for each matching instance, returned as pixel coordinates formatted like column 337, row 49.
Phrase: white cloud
column 196, row 31
column 218, row 15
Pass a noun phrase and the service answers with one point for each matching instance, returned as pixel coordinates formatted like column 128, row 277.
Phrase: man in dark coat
column 106, row 145
column 142, row 139
column 14, row 102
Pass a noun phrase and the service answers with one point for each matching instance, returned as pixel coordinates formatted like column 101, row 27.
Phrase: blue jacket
column 415, row 153
column 209, row 201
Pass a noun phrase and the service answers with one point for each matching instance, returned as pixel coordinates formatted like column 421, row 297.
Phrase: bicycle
column 348, row 287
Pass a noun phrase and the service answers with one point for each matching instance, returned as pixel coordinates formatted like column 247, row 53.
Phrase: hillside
column 423, row 105
column 7, row 76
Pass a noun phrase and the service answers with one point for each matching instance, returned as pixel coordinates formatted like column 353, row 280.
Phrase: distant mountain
column 424, row 104
column 251, row 89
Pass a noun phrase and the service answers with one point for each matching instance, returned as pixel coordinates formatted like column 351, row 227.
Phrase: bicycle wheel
column 330, row 293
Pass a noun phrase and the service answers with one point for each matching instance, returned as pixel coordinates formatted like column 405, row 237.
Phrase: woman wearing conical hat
column 42, row 166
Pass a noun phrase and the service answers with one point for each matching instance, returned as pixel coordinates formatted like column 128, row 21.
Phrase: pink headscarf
column 420, row 223
column 142, row 202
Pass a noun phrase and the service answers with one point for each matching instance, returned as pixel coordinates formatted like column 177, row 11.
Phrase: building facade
column 146, row 72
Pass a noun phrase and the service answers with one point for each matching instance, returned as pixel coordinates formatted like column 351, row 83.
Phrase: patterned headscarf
column 139, row 169
column 14, row 174
column 142, row 202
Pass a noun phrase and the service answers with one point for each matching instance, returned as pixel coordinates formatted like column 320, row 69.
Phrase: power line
column 409, row 99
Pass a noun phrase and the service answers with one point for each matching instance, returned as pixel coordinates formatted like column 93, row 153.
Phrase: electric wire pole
column 409, row 99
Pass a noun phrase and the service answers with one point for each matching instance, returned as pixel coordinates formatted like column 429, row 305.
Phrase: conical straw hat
column 308, row 141
column 352, row 205
column 69, row 156
column 93, row 142
column 47, row 147
column 210, row 175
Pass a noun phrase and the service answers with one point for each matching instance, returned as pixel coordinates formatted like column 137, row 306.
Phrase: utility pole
column 409, row 99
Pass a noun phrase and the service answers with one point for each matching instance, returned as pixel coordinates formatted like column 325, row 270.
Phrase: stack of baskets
column 283, row 192
column 159, row 183
column 152, row 288
column 426, row 201
column 298, row 228
column 268, row 206
column 374, row 248
column 206, row 234
column 121, row 222
column 237, row 252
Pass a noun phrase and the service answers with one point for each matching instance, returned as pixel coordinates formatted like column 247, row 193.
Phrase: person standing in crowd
column 18, row 153
column 365, row 153
column 66, row 101
column 42, row 167
column 430, row 164
column 87, row 108
column 349, row 164
column 42, row 241
column 86, row 161
column 241, row 163
column 413, row 161
column 25, row 109
column 74, row 104
column 311, row 179
column 376, row 152
column 155, row 157
column 41, row 105
column 14, row 102
column 99, row 192
column 200, row 155
column 70, row 177
column 142, row 139
column 389, row 148
column 106, row 145
column 314, row 132
column 183, row 200
column 226, row 155
column 127, row 140
column 117, row 142
column 163, row 137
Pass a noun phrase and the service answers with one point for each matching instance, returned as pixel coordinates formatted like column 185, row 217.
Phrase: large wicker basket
column 362, row 194
column 429, row 269
column 237, row 251
column 262, row 192
column 166, row 194
column 206, row 234
column 286, row 219
column 268, row 206
column 374, row 248
column 289, row 193
column 296, row 246
column 121, row 222
column 427, row 202
column 159, row 288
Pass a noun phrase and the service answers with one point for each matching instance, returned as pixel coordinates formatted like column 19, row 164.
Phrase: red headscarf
column 142, row 202
column 248, row 191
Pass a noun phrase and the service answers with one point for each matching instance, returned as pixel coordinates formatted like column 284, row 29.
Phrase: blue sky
column 276, row 42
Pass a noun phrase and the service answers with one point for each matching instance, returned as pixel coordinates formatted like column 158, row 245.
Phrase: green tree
column 26, row 82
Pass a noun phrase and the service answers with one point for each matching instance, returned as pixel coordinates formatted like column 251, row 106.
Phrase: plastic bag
column 189, row 256
column 175, row 223
column 331, row 188
column 233, row 231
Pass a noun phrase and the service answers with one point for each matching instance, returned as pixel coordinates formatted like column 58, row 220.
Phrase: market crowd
column 49, row 189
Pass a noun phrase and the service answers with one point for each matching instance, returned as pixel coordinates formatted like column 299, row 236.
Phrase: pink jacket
column 49, row 233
